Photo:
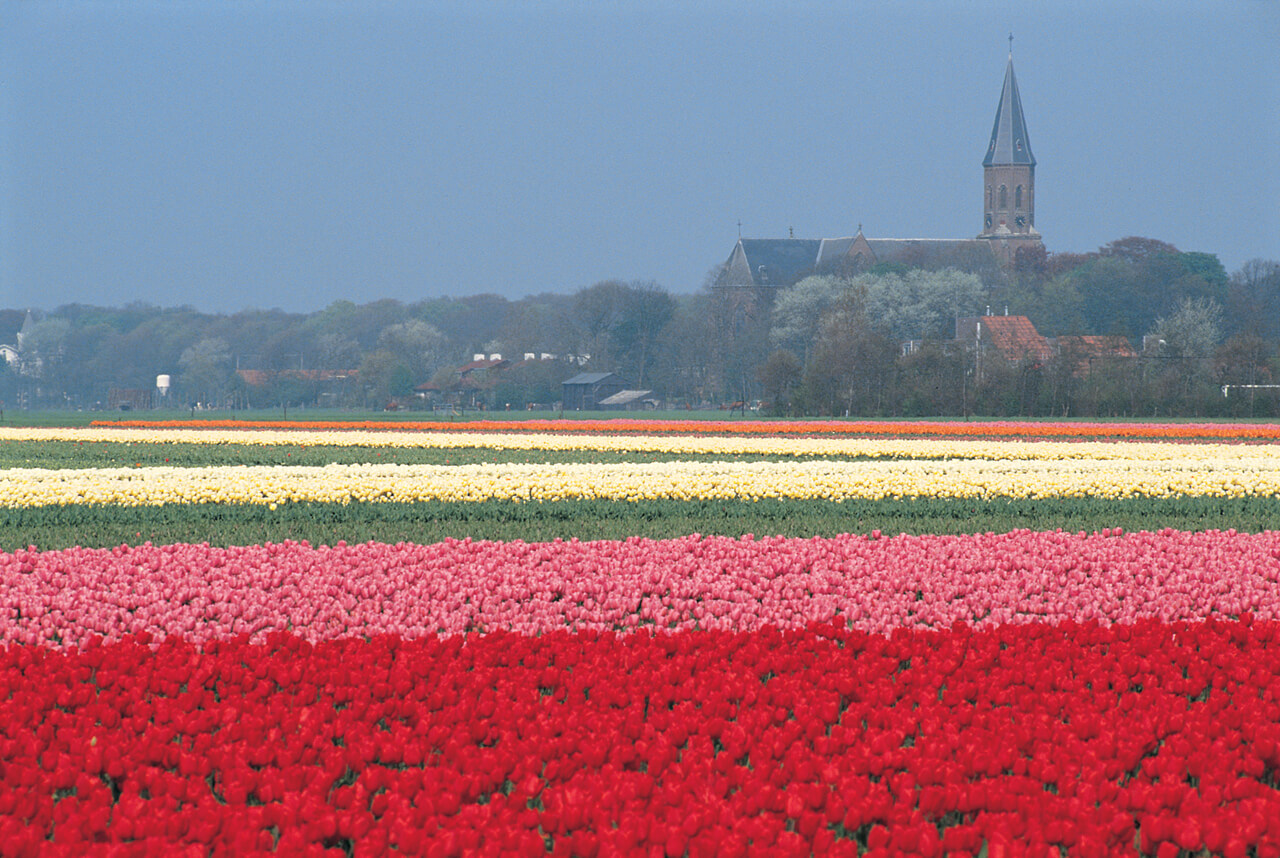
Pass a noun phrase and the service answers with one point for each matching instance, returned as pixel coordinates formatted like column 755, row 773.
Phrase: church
column 1008, row 224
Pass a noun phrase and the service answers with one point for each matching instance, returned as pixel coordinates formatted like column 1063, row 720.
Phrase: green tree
column 467, row 323
column 684, row 353
column 922, row 304
column 646, row 310
column 933, row 380
column 1245, row 359
column 798, row 311
column 401, row 381
column 536, row 324
column 414, row 344
column 335, row 350
column 1253, row 299
column 1187, row 340
column 779, row 378
column 1193, row 330
column 206, row 372
column 597, row 311
column 1133, row 281
column 852, row 360
column 375, row 377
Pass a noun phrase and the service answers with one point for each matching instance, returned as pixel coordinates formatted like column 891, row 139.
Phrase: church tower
column 1009, row 175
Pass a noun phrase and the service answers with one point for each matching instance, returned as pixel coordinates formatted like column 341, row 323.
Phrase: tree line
column 829, row 344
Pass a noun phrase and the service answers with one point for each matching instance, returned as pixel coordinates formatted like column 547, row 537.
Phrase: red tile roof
column 1014, row 337
column 1079, row 350
column 262, row 376
column 1113, row 346
column 483, row 364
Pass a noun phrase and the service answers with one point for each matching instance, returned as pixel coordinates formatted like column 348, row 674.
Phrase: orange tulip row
column 898, row 428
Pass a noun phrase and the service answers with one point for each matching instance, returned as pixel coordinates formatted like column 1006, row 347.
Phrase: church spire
column 1009, row 141
column 1009, row 172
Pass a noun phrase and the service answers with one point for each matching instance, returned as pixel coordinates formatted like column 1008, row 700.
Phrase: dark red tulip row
column 1127, row 739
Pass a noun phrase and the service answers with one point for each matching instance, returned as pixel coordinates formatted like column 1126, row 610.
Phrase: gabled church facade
column 1008, row 224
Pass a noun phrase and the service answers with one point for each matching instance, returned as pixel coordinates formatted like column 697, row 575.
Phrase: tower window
column 1017, row 197
column 990, row 196
column 1004, row 197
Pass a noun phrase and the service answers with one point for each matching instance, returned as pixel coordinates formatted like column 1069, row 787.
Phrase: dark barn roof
column 589, row 378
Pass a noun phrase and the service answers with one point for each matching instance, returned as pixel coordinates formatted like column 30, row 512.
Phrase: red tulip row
column 1149, row 738
column 67, row 598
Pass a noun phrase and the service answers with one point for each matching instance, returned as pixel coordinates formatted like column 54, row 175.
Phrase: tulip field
column 640, row 637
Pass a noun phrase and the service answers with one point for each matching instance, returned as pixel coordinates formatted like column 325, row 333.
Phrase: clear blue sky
column 230, row 154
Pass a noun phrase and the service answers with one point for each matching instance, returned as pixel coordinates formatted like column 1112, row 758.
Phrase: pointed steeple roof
column 1009, row 141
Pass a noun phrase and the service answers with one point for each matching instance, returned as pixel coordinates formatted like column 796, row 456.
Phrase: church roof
column 967, row 254
column 973, row 255
column 782, row 260
column 831, row 251
column 10, row 323
column 1009, row 141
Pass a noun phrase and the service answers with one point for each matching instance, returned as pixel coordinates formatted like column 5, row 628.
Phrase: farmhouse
column 587, row 391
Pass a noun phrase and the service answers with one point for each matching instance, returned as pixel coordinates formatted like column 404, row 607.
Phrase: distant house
column 528, row 383
column 480, row 365
column 586, row 391
column 1013, row 338
column 469, row 383
column 1017, row 341
column 13, row 333
column 328, row 385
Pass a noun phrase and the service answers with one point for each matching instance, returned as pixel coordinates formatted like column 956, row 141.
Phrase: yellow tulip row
column 884, row 448
column 817, row 479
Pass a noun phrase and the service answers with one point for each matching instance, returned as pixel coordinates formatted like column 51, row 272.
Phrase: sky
column 232, row 154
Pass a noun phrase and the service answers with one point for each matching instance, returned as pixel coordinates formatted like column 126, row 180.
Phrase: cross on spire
column 1010, row 44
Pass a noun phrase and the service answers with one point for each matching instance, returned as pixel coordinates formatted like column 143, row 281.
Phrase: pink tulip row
column 877, row 584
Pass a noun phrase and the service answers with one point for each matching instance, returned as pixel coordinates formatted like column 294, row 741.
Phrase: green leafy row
column 426, row 522
column 107, row 454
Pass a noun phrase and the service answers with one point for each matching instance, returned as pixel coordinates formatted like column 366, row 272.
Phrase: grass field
column 426, row 522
